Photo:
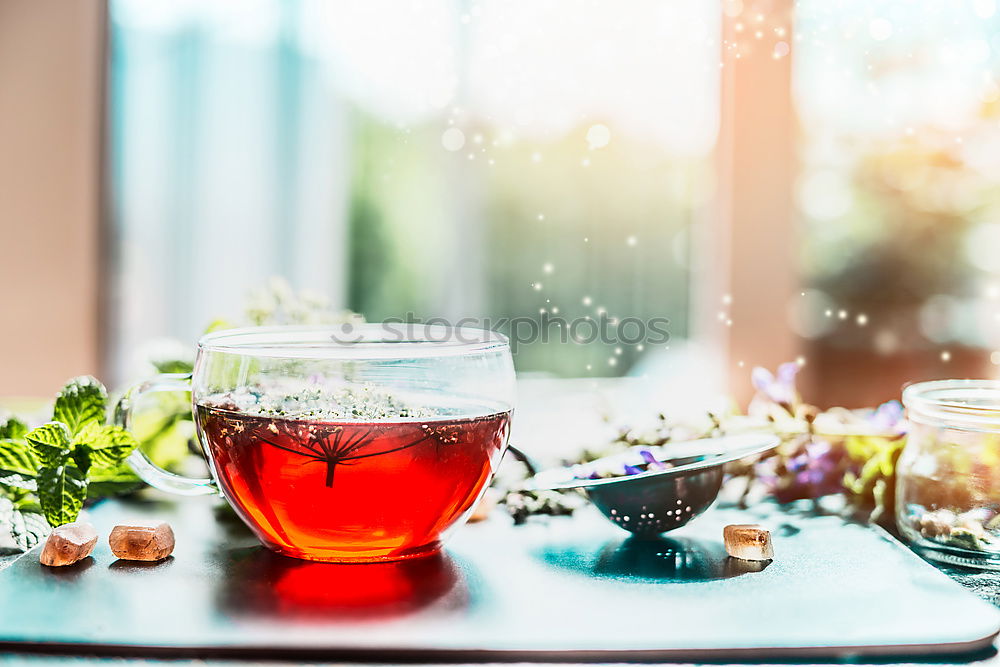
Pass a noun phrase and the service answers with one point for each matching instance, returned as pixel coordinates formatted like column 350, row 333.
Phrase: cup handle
column 151, row 473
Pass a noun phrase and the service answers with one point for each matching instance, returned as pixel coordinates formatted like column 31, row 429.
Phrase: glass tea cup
column 351, row 443
column 948, row 476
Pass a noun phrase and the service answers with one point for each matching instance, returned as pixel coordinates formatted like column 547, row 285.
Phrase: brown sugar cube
column 483, row 508
column 748, row 541
column 142, row 540
column 67, row 544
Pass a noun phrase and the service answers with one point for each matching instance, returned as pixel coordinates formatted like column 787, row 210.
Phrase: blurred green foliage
column 436, row 233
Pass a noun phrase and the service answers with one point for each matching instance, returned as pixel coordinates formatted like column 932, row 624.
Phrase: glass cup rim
column 948, row 402
column 385, row 341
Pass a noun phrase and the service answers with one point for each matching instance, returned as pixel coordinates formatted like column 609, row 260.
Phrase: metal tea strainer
column 655, row 501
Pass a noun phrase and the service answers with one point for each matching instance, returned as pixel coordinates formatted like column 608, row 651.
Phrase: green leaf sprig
column 16, row 456
column 65, row 454
column 20, row 513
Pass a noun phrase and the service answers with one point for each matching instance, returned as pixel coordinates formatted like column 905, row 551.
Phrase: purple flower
column 817, row 449
column 797, row 464
column 888, row 417
column 632, row 470
column 648, row 457
column 821, row 468
column 780, row 388
column 816, row 468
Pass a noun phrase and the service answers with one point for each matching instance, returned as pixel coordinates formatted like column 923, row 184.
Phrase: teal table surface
column 548, row 590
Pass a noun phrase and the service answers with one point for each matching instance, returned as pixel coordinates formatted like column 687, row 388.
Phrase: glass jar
column 948, row 477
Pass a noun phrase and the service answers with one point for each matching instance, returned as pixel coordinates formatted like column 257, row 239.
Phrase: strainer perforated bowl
column 656, row 501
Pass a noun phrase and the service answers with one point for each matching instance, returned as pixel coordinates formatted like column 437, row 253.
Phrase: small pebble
column 748, row 541
column 142, row 540
column 68, row 544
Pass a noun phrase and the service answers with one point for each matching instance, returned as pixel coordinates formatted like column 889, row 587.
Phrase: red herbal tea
column 349, row 489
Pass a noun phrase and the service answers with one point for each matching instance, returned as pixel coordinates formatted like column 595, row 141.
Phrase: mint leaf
column 174, row 366
column 15, row 481
column 18, row 457
column 82, row 401
column 219, row 324
column 13, row 429
column 61, row 491
column 50, row 442
column 28, row 528
column 102, row 482
column 27, row 503
column 25, row 526
column 80, row 456
column 62, row 484
column 104, row 445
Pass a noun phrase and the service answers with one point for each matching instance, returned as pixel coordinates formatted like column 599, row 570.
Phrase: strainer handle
column 531, row 464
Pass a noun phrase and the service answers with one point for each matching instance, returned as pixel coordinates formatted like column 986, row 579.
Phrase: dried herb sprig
column 335, row 447
column 853, row 452
column 522, row 504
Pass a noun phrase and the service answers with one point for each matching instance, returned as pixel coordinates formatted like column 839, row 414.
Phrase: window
column 898, row 190
column 442, row 159
column 453, row 158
